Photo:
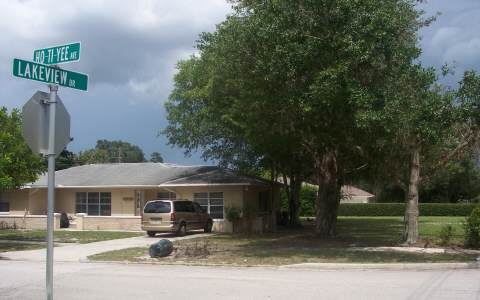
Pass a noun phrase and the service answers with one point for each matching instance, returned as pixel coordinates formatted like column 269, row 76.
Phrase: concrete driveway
column 80, row 252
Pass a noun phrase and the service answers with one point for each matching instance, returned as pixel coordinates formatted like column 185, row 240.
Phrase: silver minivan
column 176, row 216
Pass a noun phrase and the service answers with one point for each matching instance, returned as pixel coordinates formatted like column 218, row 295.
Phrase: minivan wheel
column 182, row 230
column 208, row 226
column 151, row 233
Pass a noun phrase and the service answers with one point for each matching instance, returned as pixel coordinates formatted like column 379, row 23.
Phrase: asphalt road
column 73, row 280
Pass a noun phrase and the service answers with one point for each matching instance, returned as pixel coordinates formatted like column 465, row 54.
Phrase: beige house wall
column 151, row 194
column 18, row 200
column 65, row 201
column 37, row 204
column 129, row 223
column 27, row 221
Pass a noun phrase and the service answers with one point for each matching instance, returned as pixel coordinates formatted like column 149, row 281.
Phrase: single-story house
column 111, row 196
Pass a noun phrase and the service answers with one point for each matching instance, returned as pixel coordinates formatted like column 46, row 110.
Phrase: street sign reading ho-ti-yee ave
column 57, row 54
column 53, row 75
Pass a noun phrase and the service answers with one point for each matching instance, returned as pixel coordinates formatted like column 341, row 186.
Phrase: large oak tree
column 284, row 83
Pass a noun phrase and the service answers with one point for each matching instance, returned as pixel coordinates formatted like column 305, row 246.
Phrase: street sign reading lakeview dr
column 57, row 54
column 43, row 73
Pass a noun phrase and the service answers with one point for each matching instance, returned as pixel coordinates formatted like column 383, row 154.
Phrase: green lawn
column 19, row 246
column 61, row 236
column 288, row 246
column 387, row 231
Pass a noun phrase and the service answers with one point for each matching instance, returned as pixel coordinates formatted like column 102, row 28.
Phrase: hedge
column 398, row 209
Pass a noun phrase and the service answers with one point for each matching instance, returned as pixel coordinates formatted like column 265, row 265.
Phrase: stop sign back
column 36, row 116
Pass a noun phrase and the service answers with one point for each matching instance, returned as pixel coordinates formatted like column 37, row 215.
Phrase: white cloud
column 467, row 51
column 121, row 42
column 129, row 49
column 444, row 36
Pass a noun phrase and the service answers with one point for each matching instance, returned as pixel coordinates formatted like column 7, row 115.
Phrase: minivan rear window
column 157, row 207
column 183, row 206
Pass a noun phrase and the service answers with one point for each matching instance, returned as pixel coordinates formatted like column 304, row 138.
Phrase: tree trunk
column 293, row 184
column 328, row 199
column 411, row 210
column 294, row 201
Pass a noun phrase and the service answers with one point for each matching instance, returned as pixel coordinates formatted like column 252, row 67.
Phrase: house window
column 166, row 196
column 211, row 202
column 4, row 207
column 94, row 203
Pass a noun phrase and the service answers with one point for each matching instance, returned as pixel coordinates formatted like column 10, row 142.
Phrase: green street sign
column 57, row 54
column 43, row 73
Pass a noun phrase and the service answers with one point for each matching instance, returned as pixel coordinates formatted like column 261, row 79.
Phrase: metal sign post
column 51, row 189
column 35, row 113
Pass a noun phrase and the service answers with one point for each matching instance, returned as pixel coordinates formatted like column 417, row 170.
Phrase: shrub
column 308, row 194
column 472, row 229
column 371, row 209
column 398, row 209
column 446, row 234
column 445, row 209
column 232, row 214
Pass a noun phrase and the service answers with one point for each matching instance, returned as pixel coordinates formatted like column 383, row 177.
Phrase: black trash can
column 161, row 248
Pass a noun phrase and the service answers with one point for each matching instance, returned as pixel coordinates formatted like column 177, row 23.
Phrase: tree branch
column 468, row 141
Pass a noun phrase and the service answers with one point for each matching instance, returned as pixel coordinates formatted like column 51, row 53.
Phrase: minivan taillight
column 172, row 217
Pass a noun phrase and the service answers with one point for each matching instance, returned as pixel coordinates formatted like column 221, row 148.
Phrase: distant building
column 351, row 194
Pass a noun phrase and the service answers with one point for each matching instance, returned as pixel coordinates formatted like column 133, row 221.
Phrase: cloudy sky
column 130, row 49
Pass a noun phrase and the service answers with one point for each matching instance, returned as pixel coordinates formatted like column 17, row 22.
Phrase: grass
column 82, row 237
column 290, row 246
column 11, row 240
column 430, row 228
column 129, row 254
column 9, row 246
column 387, row 231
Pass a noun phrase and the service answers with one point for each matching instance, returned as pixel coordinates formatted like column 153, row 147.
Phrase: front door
column 139, row 202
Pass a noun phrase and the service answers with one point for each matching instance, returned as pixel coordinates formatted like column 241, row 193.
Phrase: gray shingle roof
column 143, row 174
column 351, row 191
column 217, row 176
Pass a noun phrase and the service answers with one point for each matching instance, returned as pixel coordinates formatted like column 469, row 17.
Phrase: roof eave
column 203, row 184
column 93, row 186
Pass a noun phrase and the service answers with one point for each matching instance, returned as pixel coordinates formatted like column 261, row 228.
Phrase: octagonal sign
column 36, row 118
